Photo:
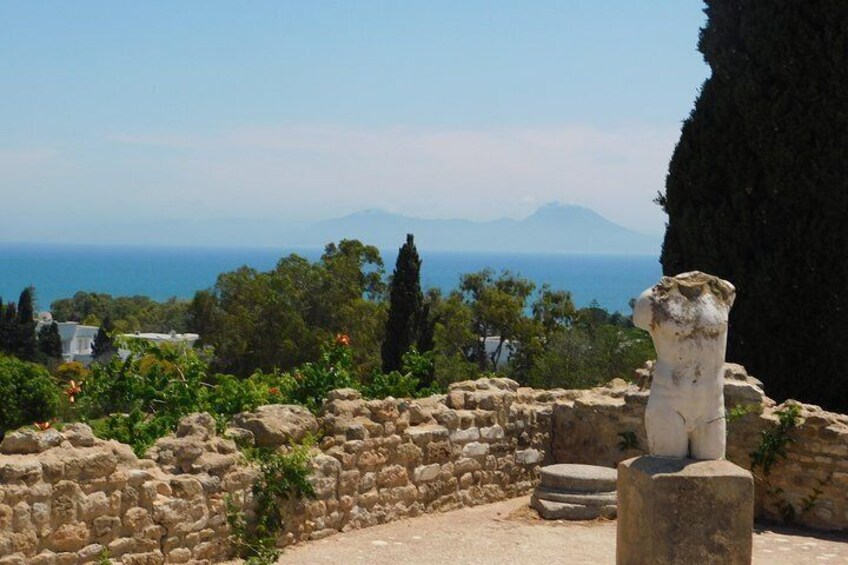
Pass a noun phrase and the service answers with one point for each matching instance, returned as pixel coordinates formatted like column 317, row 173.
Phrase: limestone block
column 29, row 441
column 277, row 424
column 492, row 432
column 466, row 435
column 528, row 456
column 475, row 449
column 681, row 511
column 427, row 473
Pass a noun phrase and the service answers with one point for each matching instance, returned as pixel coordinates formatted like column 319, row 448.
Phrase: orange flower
column 73, row 390
column 274, row 390
column 42, row 425
column 343, row 339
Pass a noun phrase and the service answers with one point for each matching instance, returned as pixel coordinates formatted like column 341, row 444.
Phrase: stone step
column 578, row 478
column 563, row 511
column 583, row 498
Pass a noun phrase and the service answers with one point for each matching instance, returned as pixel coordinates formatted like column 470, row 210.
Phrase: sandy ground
column 510, row 533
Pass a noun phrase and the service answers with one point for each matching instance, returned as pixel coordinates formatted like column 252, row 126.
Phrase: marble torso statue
column 687, row 316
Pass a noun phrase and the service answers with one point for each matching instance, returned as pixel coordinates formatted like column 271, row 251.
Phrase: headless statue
column 686, row 316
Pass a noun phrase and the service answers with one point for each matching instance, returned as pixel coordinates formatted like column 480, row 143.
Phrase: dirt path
column 510, row 533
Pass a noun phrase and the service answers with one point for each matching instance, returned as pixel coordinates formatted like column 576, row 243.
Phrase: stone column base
column 683, row 511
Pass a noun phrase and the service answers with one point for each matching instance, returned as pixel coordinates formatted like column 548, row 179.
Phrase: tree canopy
column 406, row 307
column 757, row 189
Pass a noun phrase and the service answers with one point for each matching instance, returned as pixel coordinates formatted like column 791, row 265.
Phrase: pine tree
column 103, row 344
column 24, row 344
column 757, row 189
column 405, row 307
column 49, row 342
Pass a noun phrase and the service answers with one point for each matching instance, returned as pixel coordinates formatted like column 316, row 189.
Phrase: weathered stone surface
column 698, row 511
column 550, row 510
column 686, row 316
column 343, row 394
column 583, row 499
column 277, row 424
column 579, row 478
column 29, row 441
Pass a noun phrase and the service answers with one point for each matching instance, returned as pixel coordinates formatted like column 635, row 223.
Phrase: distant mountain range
column 553, row 228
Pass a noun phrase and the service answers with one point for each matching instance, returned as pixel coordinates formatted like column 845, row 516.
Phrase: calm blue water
column 58, row 271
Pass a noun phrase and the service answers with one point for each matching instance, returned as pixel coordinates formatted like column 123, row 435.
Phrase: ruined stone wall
column 807, row 487
column 65, row 497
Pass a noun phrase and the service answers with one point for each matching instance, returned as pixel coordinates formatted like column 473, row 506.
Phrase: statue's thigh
column 709, row 440
column 666, row 430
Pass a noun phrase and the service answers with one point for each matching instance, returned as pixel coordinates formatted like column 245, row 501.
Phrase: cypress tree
column 3, row 331
column 25, row 345
column 757, row 189
column 103, row 345
column 8, row 333
column 49, row 342
column 405, row 306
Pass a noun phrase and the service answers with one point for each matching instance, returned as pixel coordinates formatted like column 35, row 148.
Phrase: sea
column 60, row 270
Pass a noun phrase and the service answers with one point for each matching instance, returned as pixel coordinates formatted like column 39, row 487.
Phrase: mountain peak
column 553, row 228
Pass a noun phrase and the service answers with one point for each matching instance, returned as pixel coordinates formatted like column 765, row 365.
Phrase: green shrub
column 312, row 381
column 28, row 394
column 395, row 384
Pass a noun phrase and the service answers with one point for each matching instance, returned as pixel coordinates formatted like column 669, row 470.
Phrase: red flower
column 343, row 339
column 274, row 390
column 73, row 390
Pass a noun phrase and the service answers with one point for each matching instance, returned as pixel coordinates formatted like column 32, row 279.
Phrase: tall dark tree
column 8, row 328
column 405, row 307
column 24, row 343
column 757, row 189
column 103, row 344
column 49, row 342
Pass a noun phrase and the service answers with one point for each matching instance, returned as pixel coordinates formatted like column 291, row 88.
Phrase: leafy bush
column 415, row 368
column 28, row 394
column 141, row 398
column 395, row 384
column 312, row 381
column 283, row 476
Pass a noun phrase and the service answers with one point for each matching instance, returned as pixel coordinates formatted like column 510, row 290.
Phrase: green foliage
column 103, row 344
column 406, row 303
column 742, row 410
column 283, row 476
column 142, row 398
column 774, row 441
column 29, row 394
column 49, row 342
column 334, row 369
column 497, row 309
column 585, row 356
column 127, row 313
column 22, row 342
column 278, row 320
column 757, row 189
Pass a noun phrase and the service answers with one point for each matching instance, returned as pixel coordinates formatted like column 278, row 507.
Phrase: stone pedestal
column 684, row 511
column 575, row 492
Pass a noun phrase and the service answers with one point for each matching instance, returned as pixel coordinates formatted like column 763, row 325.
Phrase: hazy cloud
column 319, row 171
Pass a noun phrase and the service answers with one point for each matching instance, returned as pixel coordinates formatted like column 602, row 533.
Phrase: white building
column 173, row 337
column 76, row 338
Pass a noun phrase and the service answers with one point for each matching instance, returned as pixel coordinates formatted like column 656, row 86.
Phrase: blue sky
column 294, row 111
